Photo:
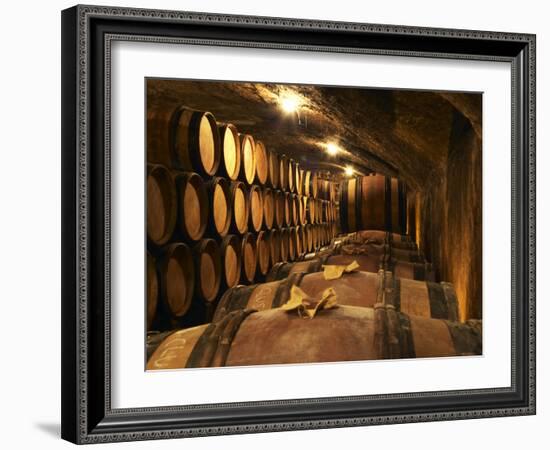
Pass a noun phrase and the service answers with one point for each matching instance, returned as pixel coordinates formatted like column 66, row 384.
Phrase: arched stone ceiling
column 399, row 132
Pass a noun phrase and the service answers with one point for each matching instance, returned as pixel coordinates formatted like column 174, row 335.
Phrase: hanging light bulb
column 332, row 148
column 349, row 171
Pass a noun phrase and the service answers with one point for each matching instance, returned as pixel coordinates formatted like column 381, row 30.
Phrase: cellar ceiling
column 403, row 133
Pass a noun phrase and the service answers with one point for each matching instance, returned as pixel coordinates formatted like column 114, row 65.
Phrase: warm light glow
column 332, row 148
column 289, row 104
column 349, row 171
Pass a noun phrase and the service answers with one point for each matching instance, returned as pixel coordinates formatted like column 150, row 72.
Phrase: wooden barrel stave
column 152, row 290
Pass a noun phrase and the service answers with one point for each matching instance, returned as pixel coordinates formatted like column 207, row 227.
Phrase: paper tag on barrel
column 333, row 272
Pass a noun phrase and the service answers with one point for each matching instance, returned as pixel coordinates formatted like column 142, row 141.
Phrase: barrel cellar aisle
column 298, row 224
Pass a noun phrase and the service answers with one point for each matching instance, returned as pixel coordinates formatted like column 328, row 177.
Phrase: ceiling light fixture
column 289, row 104
column 349, row 171
column 332, row 148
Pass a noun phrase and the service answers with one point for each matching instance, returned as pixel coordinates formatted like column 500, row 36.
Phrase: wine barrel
column 152, row 290
column 310, row 209
column 345, row 333
column 303, row 240
column 248, row 159
column 279, row 209
column 313, row 185
column 192, row 205
column 308, row 237
column 292, row 244
column 208, row 272
column 262, row 163
column 161, row 204
column 240, row 207
column 273, row 172
column 294, row 210
column 283, row 172
column 306, row 183
column 263, row 251
column 220, row 202
column 288, row 209
column 274, row 246
column 177, row 279
column 249, row 258
column 269, row 207
column 367, row 263
column 381, row 236
column 284, row 238
column 230, row 164
column 230, row 250
column 299, row 180
column 256, row 215
column 301, row 210
column 291, row 175
column 373, row 202
column 365, row 289
column 182, row 138
column 386, row 250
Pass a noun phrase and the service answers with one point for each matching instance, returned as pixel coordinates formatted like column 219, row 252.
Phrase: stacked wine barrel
column 222, row 209
column 373, row 202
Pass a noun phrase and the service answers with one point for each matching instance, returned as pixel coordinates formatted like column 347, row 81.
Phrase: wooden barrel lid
column 231, row 260
column 299, row 180
column 269, row 207
column 220, row 205
column 262, row 162
column 231, row 151
column 288, row 209
column 177, row 278
column 152, row 290
column 193, row 205
column 248, row 158
column 279, row 208
column 240, row 207
column 197, row 141
column 284, row 247
column 291, row 175
column 283, row 172
column 208, row 260
column 161, row 204
column 256, row 208
column 274, row 246
column 263, row 251
column 313, row 185
column 294, row 210
column 249, row 258
column 273, row 169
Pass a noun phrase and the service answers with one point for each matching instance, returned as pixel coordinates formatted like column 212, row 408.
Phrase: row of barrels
column 180, row 275
column 378, row 316
column 193, row 141
column 185, row 205
column 375, row 202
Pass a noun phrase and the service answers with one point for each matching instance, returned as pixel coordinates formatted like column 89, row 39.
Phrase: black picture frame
column 87, row 416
